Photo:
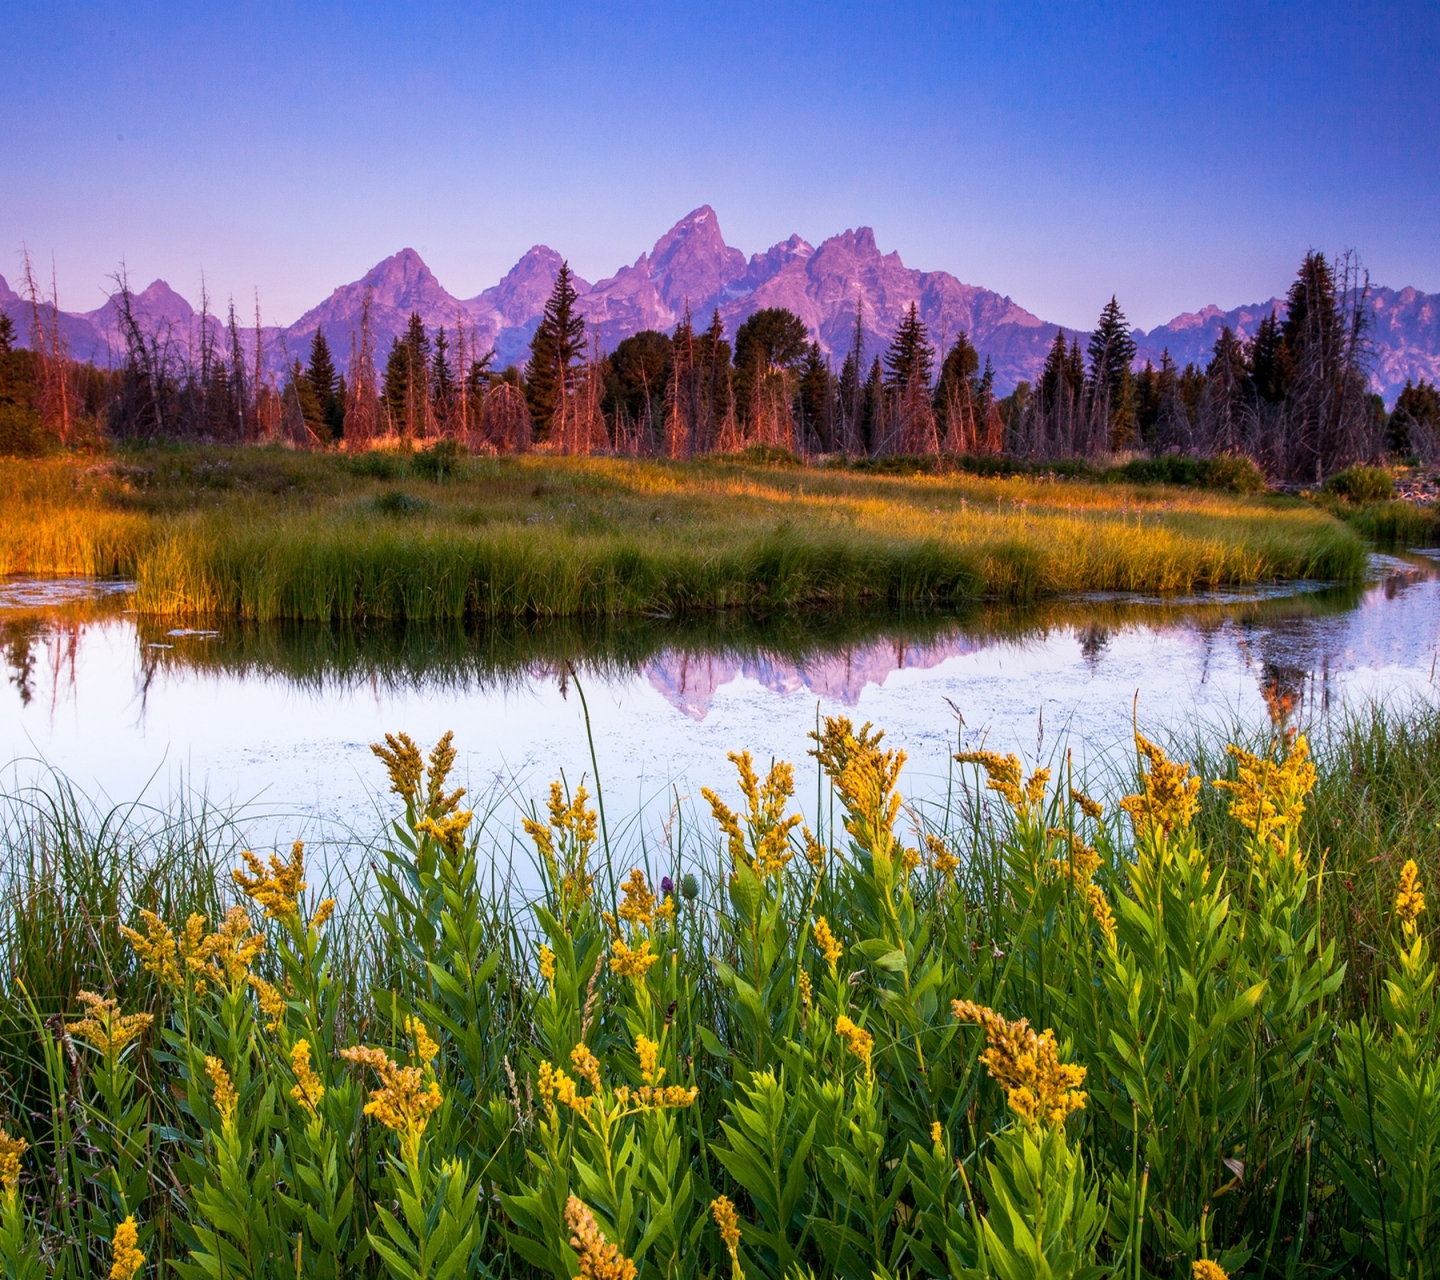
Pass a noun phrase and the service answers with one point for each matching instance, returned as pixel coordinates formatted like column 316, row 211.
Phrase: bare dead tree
column 360, row 406
column 48, row 348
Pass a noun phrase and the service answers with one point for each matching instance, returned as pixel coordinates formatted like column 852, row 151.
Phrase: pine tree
column 20, row 425
column 1414, row 426
column 909, row 359
column 1270, row 362
column 442, row 381
column 872, row 419
column 814, row 397
column 557, row 345
column 323, row 411
column 397, row 385
column 1111, row 350
column 1052, row 377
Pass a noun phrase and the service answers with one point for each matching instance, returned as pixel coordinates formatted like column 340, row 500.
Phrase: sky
column 1174, row 155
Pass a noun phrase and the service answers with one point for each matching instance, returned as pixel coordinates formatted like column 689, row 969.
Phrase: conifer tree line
column 1294, row 397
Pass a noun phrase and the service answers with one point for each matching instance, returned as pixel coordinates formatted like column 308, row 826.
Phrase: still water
column 277, row 719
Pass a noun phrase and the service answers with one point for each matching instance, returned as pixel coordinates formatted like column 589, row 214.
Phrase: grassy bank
column 746, row 1056
column 266, row 534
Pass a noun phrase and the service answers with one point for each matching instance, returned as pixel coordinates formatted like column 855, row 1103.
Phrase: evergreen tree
column 909, row 359
column 771, row 341
column 555, row 349
column 20, row 424
column 442, row 380
column 874, row 408
column 957, row 373
column 635, row 374
column 396, row 388
column 814, row 395
column 1270, row 363
column 323, row 407
column 1053, row 377
column 1414, row 426
column 1111, row 352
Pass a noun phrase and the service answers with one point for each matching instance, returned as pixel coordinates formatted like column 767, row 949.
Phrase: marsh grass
column 264, row 534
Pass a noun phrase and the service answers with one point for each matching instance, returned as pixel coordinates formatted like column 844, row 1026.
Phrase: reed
column 765, row 1047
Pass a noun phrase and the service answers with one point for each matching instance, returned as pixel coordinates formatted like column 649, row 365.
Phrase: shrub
column 439, row 462
column 396, row 503
column 1361, row 484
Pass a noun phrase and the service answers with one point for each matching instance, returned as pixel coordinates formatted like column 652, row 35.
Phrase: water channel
column 276, row 720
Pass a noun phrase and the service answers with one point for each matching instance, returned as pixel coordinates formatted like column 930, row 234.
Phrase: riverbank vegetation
column 1182, row 1028
column 281, row 534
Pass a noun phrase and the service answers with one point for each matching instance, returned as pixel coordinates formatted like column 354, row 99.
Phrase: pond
column 277, row 719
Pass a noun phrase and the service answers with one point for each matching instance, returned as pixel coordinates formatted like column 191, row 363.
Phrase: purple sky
column 1174, row 155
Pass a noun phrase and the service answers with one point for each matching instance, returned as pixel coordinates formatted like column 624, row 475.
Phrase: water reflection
column 286, row 709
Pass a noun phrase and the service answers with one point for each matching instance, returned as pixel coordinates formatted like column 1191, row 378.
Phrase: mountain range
column 692, row 266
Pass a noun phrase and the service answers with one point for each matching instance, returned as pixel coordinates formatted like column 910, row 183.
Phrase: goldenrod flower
column 223, row 1088
column 859, row 1041
column 827, row 943
column 227, row 954
column 555, row 1086
column 105, row 1027
column 272, row 1002
column 638, row 903
column 1004, row 773
column 442, row 760
column 278, row 888
column 403, row 1102
column 814, row 850
column 599, row 1259
column 1039, row 1087
column 648, row 1051
column 909, row 860
column 403, row 763
column 426, row 1050
column 629, row 963
column 769, row 828
column 671, row 1095
column 126, row 1258
column 806, row 989
column 575, row 825
column 1270, row 795
column 1080, row 862
column 11, row 1152
column 1090, row 808
column 322, row 914
column 307, row 1090
column 937, row 1134
column 161, row 953
column 586, row 1064
column 448, row 831
column 1410, row 901
column 1207, row 1270
column 1100, row 909
column 547, row 963
column 945, row 862
column 1168, row 797
column 723, row 1211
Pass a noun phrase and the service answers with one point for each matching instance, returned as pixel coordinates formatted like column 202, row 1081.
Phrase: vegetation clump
column 1028, row 1033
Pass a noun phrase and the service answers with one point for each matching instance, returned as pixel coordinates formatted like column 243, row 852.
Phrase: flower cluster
column 276, row 888
column 768, row 850
column 405, row 1100
column 126, row 1258
column 722, row 1209
column 223, row 1088
column 944, row 862
column 307, row 1089
column 1168, row 796
column 1269, row 795
column 1039, row 1087
column 827, row 943
column 169, row 958
column 11, row 1152
column 403, row 762
column 859, row 1041
column 1204, row 1269
column 1003, row 774
column 547, row 963
column 628, row 962
column 1090, row 808
column 105, row 1027
column 1079, row 865
column 599, row 1259
column 1410, row 900
column 573, row 827
column 554, row 1086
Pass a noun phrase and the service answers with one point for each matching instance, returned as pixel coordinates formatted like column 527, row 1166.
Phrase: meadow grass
column 268, row 534
column 1255, row 1096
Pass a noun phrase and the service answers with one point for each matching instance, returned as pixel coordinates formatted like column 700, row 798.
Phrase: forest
column 1294, row 398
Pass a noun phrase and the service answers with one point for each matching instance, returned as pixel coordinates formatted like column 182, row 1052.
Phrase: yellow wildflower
column 671, row 1095
column 161, row 953
column 126, row 1259
column 307, row 1090
column 1090, row 808
column 547, row 963
column 227, row 954
column 1269, row 795
column 638, row 906
column 272, row 1002
column 448, row 830
column 11, row 1152
column 814, row 850
column 827, row 943
column 806, row 989
column 442, row 760
column 403, row 763
column 945, row 862
column 322, row 914
column 223, row 1088
column 278, row 888
column 1410, row 900
column 403, row 1102
column 909, row 860
column 648, row 1051
column 555, row 1086
column 426, row 1050
column 599, row 1259
column 769, row 828
column 1100, row 909
column 1080, row 862
column 629, row 963
column 937, row 1134
column 1004, row 774
column 723, row 1211
column 105, row 1027
column 1168, row 797
column 1207, row 1270
column 859, row 1041
column 586, row 1064
column 1040, row 1088
column 575, row 825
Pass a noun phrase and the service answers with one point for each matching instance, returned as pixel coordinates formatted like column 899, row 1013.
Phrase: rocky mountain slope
column 692, row 266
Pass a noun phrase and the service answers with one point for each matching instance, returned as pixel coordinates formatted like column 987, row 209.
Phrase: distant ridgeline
column 832, row 350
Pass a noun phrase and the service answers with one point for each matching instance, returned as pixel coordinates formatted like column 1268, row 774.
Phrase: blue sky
column 1174, row 155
